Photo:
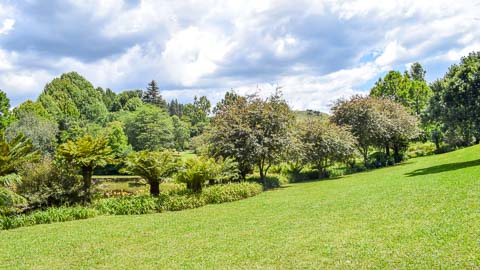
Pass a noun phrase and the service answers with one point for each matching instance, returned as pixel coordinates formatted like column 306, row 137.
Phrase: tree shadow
column 444, row 168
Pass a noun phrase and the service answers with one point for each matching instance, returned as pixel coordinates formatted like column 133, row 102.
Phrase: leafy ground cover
column 421, row 214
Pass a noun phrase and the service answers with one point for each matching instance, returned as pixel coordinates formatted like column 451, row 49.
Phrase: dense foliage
column 86, row 154
column 154, row 167
column 252, row 130
column 51, row 148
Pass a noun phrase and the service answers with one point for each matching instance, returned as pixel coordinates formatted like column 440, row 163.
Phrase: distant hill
column 310, row 113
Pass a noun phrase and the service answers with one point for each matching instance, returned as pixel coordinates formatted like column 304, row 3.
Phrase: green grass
column 130, row 186
column 187, row 154
column 115, row 177
column 423, row 214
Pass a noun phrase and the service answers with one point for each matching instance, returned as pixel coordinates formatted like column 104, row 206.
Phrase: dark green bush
column 50, row 215
column 271, row 181
column 127, row 205
column 231, row 192
column 135, row 205
column 45, row 184
column 380, row 159
column 306, row 174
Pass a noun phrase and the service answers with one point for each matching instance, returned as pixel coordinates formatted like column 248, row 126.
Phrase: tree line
column 77, row 130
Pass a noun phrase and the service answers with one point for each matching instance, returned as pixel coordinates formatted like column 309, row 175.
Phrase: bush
column 128, row 205
column 45, row 184
column 420, row 149
column 136, row 205
column 180, row 202
column 231, row 192
column 305, row 174
column 272, row 181
column 49, row 215
column 380, row 159
column 11, row 203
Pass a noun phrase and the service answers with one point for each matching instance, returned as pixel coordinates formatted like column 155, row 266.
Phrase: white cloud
column 311, row 48
column 7, row 26
column 193, row 53
column 23, row 83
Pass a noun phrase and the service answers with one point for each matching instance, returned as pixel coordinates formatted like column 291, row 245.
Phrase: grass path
column 423, row 214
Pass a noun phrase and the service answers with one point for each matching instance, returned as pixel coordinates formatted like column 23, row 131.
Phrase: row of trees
column 81, row 128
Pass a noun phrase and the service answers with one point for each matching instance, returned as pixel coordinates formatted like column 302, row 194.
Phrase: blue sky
column 317, row 51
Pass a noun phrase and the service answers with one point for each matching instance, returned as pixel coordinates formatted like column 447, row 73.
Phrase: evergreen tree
column 175, row 108
column 153, row 96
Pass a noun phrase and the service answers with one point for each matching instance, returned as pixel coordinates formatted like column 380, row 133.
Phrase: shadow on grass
column 317, row 180
column 444, row 168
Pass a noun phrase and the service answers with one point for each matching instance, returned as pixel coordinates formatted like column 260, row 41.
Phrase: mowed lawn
column 422, row 214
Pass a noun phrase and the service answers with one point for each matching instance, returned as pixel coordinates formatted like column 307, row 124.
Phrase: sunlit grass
column 423, row 214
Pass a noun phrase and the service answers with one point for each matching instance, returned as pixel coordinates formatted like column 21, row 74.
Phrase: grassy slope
column 422, row 214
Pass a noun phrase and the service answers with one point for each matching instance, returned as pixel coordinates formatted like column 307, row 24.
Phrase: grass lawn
column 187, row 154
column 422, row 214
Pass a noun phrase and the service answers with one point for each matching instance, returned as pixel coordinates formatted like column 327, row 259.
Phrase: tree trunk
column 154, row 188
column 262, row 173
column 396, row 153
column 365, row 157
column 87, row 174
column 387, row 150
column 262, row 178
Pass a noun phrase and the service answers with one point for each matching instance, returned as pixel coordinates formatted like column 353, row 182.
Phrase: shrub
column 180, row 202
column 420, row 149
column 45, row 184
column 10, row 202
column 304, row 174
column 231, row 192
column 154, row 167
column 49, row 215
column 271, row 181
column 200, row 171
column 380, row 159
column 128, row 205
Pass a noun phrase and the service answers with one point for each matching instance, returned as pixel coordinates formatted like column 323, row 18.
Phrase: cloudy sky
column 316, row 51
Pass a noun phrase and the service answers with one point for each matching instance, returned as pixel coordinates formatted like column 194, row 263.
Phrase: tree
column 13, row 154
column 252, row 130
column 417, row 73
column 86, row 154
column 149, row 128
column 152, row 95
column 365, row 120
column 200, row 171
column 32, row 108
column 108, row 97
column 456, row 101
column 325, row 143
column 73, row 97
column 197, row 114
column 153, row 167
column 181, row 133
column 122, row 99
column 376, row 122
column 400, row 127
column 175, row 108
column 42, row 131
column 117, row 139
column 5, row 117
column 413, row 94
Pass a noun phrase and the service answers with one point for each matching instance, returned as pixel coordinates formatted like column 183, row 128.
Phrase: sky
column 316, row 51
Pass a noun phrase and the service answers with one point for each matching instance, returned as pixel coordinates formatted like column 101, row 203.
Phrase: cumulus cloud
column 316, row 50
column 7, row 26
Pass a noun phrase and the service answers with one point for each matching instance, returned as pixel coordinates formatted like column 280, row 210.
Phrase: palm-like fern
column 13, row 154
